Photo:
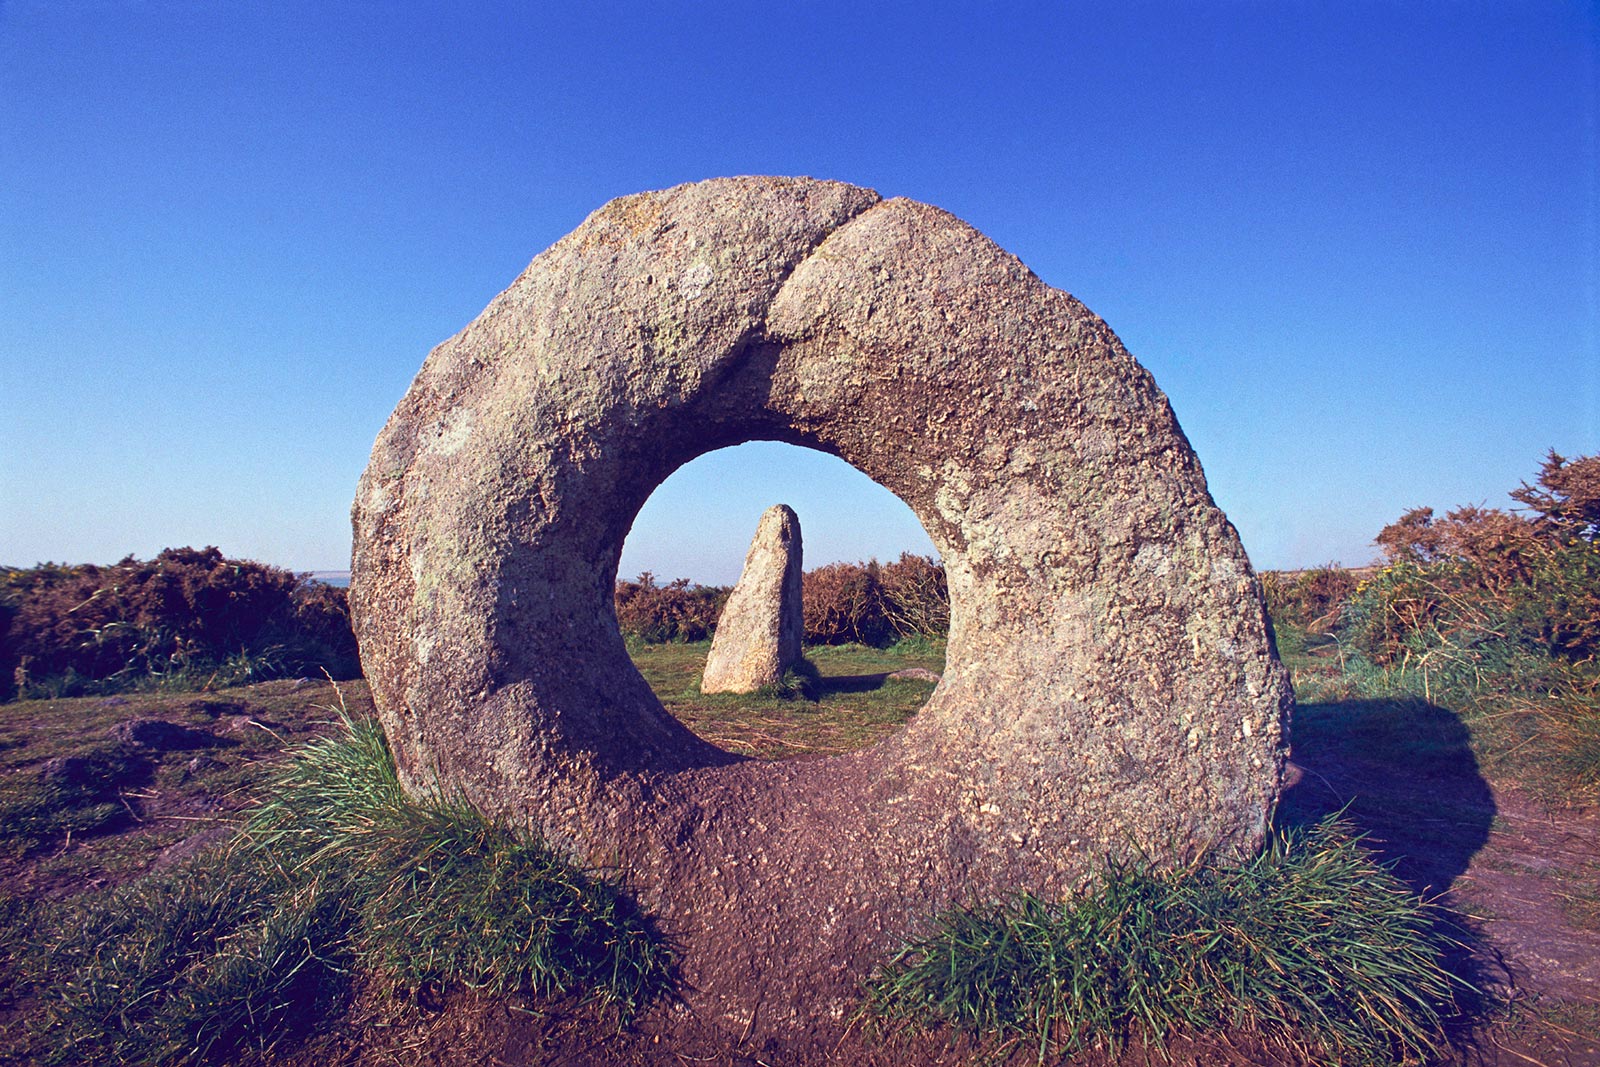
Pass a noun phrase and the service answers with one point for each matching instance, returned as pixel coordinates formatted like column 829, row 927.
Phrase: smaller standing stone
column 758, row 636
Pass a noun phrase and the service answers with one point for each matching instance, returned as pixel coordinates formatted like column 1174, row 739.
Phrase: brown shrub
column 1494, row 545
column 676, row 611
column 916, row 598
column 872, row 603
column 844, row 603
column 1566, row 502
column 1483, row 575
column 186, row 610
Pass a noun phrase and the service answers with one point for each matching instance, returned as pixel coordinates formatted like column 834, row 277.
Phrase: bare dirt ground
column 1518, row 876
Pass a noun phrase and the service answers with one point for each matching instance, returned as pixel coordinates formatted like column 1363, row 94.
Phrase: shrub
column 1497, row 613
column 916, row 597
column 1311, row 945
column 874, row 603
column 1566, row 501
column 181, row 617
column 844, row 602
column 676, row 611
column 1308, row 600
column 1482, row 575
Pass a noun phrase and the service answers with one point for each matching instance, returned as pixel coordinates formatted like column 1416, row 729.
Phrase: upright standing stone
column 759, row 634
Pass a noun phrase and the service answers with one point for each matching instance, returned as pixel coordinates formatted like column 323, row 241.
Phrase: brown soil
column 1512, row 872
column 1520, row 879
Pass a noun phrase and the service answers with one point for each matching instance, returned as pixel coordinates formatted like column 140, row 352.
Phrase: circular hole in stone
column 867, row 669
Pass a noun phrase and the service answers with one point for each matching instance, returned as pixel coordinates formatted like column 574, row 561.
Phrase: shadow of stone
column 1403, row 773
column 851, row 683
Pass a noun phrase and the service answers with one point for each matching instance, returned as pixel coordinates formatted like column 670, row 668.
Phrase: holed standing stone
column 762, row 625
column 1110, row 685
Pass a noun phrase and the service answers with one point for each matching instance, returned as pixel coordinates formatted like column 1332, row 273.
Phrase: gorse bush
column 1482, row 576
column 340, row 872
column 1495, row 612
column 183, row 617
column 868, row 603
column 876, row 603
column 1477, row 577
column 677, row 611
column 1309, row 600
column 916, row 596
column 1311, row 946
column 844, row 603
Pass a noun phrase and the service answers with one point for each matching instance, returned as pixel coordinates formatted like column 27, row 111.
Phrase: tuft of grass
column 1312, row 946
column 192, row 965
column 340, row 871
column 445, row 894
column 1572, row 723
column 802, row 681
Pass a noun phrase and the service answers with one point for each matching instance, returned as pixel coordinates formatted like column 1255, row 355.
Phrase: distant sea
column 339, row 578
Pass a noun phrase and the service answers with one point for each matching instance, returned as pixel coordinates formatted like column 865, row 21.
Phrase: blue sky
column 1356, row 243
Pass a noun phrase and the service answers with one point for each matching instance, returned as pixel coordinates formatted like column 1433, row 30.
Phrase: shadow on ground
column 851, row 683
column 1403, row 773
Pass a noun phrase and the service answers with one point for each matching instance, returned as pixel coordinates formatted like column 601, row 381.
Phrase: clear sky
column 1355, row 242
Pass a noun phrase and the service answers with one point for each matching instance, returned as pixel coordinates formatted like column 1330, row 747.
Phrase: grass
column 79, row 807
column 849, row 703
column 1579, row 892
column 72, row 795
column 1311, row 946
column 241, row 668
column 339, row 879
column 1442, row 724
column 1527, row 717
column 194, row 965
column 256, row 946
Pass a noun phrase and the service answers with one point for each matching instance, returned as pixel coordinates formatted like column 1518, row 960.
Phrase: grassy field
column 86, row 800
column 99, row 811
column 852, row 701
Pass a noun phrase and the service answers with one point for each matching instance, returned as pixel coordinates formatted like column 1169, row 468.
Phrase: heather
column 189, row 618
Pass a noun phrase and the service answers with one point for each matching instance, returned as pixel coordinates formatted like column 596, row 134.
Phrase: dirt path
column 1522, row 879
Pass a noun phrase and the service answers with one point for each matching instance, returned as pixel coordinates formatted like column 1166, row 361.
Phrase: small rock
column 200, row 765
column 216, row 708
column 70, row 771
column 915, row 674
column 92, row 773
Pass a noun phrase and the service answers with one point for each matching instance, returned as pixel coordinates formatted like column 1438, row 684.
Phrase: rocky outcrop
column 1110, row 683
column 761, row 627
